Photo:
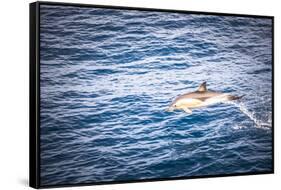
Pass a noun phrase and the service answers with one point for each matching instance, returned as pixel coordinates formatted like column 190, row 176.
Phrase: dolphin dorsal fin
column 202, row 87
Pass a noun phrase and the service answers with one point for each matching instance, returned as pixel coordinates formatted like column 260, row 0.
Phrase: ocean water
column 108, row 75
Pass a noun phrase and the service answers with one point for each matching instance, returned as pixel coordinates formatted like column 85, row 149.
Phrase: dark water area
column 107, row 77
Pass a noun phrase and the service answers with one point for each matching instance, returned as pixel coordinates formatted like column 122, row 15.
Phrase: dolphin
column 200, row 98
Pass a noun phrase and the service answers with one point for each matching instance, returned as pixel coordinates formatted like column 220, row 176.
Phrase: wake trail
column 251, row 115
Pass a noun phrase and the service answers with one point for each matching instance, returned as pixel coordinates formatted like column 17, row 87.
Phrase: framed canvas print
column 121, row 94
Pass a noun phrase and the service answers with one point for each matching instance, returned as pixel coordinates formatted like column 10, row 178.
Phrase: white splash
column 251, row 115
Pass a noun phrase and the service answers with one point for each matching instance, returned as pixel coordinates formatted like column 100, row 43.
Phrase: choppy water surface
column 107, row 77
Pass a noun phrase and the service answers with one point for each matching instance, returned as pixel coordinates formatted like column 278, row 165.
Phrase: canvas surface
column 107, row 77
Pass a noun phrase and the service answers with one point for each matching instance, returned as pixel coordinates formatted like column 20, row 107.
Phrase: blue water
column 107, row 77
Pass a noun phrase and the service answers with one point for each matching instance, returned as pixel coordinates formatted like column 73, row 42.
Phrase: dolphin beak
column 169, row 109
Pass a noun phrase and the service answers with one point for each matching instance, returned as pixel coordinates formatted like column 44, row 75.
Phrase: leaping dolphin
column 200, row 98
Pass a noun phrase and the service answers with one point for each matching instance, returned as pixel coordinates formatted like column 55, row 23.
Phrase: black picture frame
column 34, row 91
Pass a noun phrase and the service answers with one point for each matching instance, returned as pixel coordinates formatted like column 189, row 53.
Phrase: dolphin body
column 200, row 98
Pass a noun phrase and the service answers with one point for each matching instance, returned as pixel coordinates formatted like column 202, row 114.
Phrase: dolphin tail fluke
column 230, row 97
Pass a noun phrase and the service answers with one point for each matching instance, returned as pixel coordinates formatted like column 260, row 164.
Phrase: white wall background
column 14, row 73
